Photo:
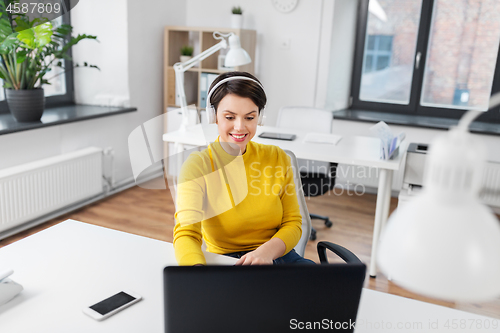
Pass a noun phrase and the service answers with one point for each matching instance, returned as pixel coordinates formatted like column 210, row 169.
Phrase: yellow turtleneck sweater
column 236, row 203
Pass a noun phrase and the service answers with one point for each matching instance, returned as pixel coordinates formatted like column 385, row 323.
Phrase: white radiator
column 368, row 177
column 35, row 189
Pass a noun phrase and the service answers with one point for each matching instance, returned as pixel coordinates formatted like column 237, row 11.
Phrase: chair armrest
column 342, row 252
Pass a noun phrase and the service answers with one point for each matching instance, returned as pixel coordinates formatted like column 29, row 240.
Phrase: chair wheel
column 313, row 235
column 328, row 223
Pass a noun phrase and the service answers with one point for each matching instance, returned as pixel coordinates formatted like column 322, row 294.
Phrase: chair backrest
column 300, row 248
column 311, row 120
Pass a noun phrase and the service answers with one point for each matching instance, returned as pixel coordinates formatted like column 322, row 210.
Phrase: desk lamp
column 445, row 243
column 236, row 56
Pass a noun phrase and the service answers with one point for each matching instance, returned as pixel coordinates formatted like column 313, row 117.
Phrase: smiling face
column 237, row 119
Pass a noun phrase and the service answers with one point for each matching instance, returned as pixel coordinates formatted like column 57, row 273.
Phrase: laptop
column 274, row 298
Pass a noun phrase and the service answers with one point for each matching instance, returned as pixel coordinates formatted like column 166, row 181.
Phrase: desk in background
column 70, row 265
column 352, row 150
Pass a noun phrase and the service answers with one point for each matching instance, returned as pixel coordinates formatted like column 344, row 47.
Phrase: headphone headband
column 226, row 80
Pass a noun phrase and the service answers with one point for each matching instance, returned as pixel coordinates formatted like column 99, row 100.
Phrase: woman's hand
column 255, row 258
column 264, row 254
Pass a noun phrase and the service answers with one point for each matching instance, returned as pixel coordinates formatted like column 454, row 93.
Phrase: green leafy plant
column 187, row 50
column 30, row 48
column 237, row 10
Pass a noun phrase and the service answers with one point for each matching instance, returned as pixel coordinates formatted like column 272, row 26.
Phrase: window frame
column 57, row 100
column 413, row 108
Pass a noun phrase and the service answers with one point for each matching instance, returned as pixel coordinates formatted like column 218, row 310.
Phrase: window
column 377, row 69
column 427, row 57
column 377, row 53
column 56, row 77
column 60, row 91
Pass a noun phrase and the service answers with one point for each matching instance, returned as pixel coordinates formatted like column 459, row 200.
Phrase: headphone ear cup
column 211, row 117
column 262, row 117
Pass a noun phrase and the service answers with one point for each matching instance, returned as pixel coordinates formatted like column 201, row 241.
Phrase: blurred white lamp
column 445, row 243
column 236, row 56
column 376, row 9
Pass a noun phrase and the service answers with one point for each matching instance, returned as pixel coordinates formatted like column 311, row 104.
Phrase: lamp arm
column 180, row 68
column 470, row 115
column 203, row 55
column 467, row 119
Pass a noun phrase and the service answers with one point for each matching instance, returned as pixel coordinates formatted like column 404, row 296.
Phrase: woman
column 237, row 195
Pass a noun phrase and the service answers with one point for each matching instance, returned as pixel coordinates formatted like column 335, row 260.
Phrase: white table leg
column 381, row 213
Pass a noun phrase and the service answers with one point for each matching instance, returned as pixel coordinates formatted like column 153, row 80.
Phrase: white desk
column 352, row 150
column 73, row 264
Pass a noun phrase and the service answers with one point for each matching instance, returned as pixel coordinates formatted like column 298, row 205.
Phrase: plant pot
column 26, row 105
column 185, row 58
column 236, row 21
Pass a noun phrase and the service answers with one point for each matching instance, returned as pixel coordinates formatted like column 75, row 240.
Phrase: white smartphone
column 111, row 305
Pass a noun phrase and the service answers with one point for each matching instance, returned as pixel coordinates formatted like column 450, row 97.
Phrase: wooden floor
column 150, row 213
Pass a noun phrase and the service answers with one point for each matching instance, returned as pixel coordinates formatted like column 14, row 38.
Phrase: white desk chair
column 317, row 177
column 300, row 248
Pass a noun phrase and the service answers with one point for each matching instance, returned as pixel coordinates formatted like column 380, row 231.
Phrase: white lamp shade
column 445, row 243
column 446, row 250
column 236, row 56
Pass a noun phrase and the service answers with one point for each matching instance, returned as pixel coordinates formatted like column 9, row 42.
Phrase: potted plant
column 29, row 49
column 186, row 53
column 237, row 18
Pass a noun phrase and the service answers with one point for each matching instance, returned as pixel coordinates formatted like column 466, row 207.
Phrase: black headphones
column 211, row 116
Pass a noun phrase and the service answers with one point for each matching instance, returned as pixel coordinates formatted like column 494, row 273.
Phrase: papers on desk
column 390, row 142
column 322, row 138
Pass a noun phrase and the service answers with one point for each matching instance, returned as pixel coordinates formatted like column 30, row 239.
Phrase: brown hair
column 242, row 88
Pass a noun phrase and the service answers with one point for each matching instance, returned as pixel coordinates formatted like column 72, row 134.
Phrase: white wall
column 336, row 91
column 110, row 53
column 289, row 76
column 130, row 56
column 326, row 34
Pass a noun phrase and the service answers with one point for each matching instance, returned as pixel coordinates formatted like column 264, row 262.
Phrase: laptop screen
column 283, row 298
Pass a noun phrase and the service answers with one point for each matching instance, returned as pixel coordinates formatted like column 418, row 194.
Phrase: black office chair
column 314, row 183
column 342, row 252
